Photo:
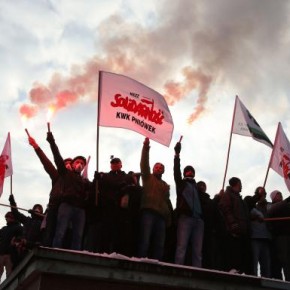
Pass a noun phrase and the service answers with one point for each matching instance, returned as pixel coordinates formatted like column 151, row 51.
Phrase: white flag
column 5, row 163
column 85, row 170
column 280, row 158
column 126, row 103
column 245, row 124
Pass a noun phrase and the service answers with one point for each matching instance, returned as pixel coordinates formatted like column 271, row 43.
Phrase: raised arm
column 56, row 154
column 47, row 164
column 176, row 166
column 144, row 163
column 18, row 216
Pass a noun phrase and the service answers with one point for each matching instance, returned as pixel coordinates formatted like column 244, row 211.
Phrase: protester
column 92, row 232
column 74, row 198
column 237, row 221
column 112, row 186
column 281, row 235
column 190, row 224
column 260, row 235
column 49, row 221
column 7, row 233
column 156, row 208
column 31, row 225
column 210, row 246
column 220, row 234
column 129, row 215
column 251, row 200
column 19, row 249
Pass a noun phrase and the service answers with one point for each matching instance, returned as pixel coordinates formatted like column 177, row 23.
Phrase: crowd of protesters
column 131, row 214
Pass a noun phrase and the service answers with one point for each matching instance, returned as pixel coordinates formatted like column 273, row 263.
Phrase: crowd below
column 131, row 214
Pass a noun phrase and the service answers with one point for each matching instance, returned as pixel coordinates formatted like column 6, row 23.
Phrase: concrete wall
column 53, row 269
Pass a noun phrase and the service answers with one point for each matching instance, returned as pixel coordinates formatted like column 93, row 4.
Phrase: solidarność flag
column 129, row 104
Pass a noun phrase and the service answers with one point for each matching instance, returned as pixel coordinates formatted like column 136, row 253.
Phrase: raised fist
column 12, row 200
column 146, row 141
column 177, row 148
column 50, row 137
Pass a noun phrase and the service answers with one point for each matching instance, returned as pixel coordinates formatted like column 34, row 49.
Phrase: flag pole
column 98, row 121
column 230, row 142
column 272, row 154
column 19, row 208
column 11, row 184
column 12, row 170
column 267, row 174
column 286, row 218
column 97, row 141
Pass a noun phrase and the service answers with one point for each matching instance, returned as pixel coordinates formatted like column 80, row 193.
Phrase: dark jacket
column 7, row 233
column 74, row 188
column 182, row 206
column 112, row 186
column 235, row 212
column 277, row 210
column 56, row 181
column 31, row 225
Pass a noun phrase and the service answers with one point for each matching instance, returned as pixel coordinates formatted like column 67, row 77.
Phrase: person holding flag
column 31, row 224
column 156, row 208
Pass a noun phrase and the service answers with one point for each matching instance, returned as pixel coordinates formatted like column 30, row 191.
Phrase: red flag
column 126, row 103
column 280, row 158
column 5, row 163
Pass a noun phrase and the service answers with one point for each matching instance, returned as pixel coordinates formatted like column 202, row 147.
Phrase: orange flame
column 50, row 112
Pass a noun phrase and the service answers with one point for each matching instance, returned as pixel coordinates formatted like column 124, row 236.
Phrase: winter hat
column 188, row 168
column 80, row 157
column 115, row 160
column 68, row 160
column 273, row 194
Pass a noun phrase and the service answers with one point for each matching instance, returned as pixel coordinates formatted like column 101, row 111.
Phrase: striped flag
column 245, row 124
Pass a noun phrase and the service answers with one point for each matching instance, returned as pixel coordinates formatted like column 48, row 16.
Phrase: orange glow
column 50, row 112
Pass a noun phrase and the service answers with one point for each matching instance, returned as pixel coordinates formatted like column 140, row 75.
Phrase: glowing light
column 50, row 113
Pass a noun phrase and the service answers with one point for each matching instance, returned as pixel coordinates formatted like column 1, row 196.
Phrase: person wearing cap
column 113, row 187
column 190, row 224
column 49, row 220
column 237, row 221
column 7, row 233
column 280, row 229
column 74, row 198
column 156, row 208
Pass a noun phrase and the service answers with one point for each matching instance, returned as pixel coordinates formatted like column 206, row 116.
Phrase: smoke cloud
column 198, row 40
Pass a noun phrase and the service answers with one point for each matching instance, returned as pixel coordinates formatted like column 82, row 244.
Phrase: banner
column 280, row 158
column 5, row 163
column 245, row 124
column 126, row 103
